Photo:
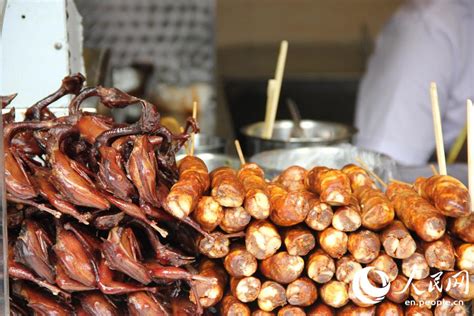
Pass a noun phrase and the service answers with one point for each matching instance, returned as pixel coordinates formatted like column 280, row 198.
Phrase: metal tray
column 275, row 161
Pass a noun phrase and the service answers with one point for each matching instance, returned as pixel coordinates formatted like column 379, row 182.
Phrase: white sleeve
column 393, row 112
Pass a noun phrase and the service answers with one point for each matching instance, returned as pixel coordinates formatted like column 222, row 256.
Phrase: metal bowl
column 318, row 133
column 275, row 161
column 208, row 144
column 214, row 161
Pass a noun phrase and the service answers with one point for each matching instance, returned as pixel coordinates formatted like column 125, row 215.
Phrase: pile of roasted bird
column 103, row 221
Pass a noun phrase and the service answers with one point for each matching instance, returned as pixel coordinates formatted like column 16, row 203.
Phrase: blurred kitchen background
column 222, row 52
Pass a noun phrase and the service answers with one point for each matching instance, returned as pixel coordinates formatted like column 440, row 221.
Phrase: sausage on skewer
column 415, row 212
column 333, row 186
column 227, row 189
column 257, row 201
column 193, row 182
column 449, row 195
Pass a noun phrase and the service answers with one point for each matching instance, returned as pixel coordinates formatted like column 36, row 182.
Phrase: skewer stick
column 399, row 182
column 373, row 174
column 434, row 170
column 239, row 152
column 191, row 150
column 270, row 89
column 438, row 130
column 276, row 92
column 470, row 149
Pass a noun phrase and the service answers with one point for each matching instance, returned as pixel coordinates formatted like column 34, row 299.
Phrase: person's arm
column 393, row 108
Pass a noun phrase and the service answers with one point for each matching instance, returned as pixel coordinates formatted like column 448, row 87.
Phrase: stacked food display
column 102, row 220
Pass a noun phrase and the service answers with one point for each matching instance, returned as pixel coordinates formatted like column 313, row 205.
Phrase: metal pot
column 214, row 161
column 318, row 133
column 275, row 161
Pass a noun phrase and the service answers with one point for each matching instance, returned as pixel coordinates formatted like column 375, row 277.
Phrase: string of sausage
column 377, row 211
column 415, row 212
column 332, row 186
column 257, row 201
column 447, row 194
column 193, row 182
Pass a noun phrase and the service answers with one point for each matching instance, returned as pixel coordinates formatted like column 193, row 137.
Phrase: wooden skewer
column 399, row 182
column 438, row 130
column 270, row 89
column 191, row 150
column 373, row 174
column 239, row 152
column 280, row 69
column 434, row 170
column 470, row 149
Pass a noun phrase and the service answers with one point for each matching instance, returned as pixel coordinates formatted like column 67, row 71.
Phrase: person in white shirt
column 425, row 41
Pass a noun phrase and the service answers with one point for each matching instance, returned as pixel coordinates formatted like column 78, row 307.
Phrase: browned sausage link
column 333, row 241
column 440, row 254
column 271, row 296
column 386, row 264
column 415, row 212
column 320, row 267
column 358, row 176
column 292, row 178
column 321, row 309
column 335, row 293
column 193, row 182
column 449, row 195
column 354, row 310
column 301, row 292
column 397, row 241
column 465, row 257
column 262, row 239
column 376, row 209
column 288, row 208
column 417, row 310
column 257, row 201
column 210, row 293
column 364, row 246
column 226, row 187
column 332, row 186
column 449, row 306
column 208, row 213
column 231, row 306
column 346, row 268
column 461, row 286
column 319, row 216
column 363, row 298
column 389, row 308
column 282, row 267
column 246, row 289
column 235, row 219
column 420, row 291
column 289, row 310
column 347, row 218
column 214, row 246
column 239, row 262
column 463, row 227
column 415, row 266
column 399, row 291
column 299, row 241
